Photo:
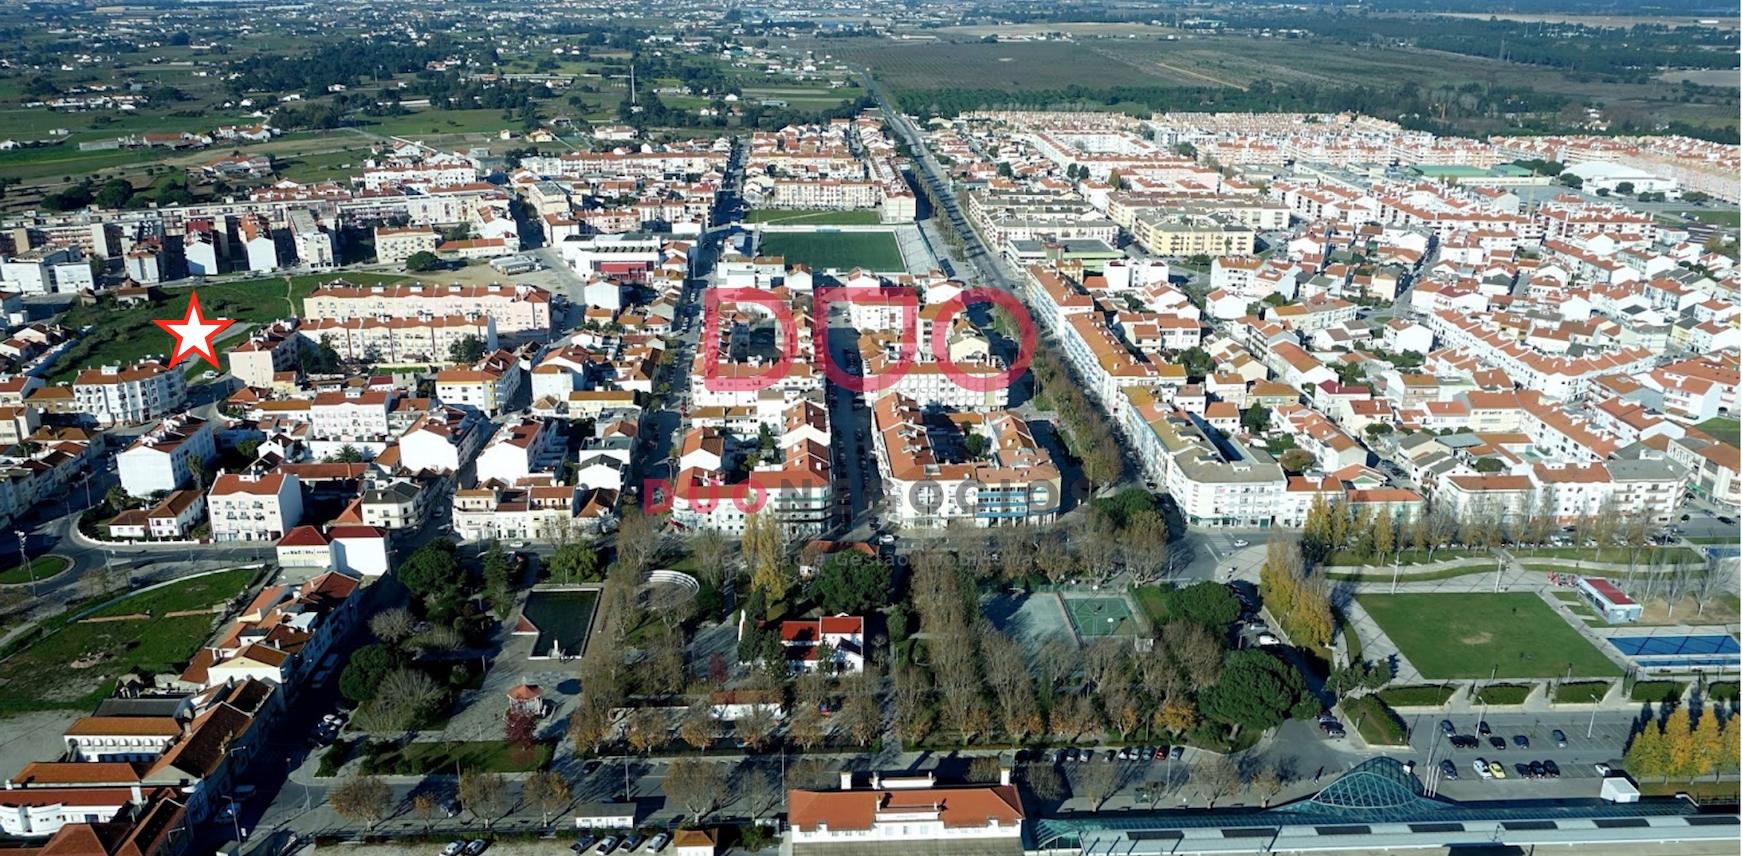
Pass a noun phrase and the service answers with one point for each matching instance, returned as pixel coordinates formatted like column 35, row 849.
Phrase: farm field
column 1473, row 635
column 876, row 251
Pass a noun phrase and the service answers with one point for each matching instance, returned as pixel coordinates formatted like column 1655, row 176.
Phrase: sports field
column 791, row 217
column 1095, row 617
column 1473, row 635
column 822, row 250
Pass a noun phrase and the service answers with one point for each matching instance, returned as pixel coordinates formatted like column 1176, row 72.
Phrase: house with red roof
column 839, row 638
column 915, row 811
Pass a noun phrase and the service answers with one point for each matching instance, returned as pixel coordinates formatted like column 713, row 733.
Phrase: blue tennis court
column 1674, row 646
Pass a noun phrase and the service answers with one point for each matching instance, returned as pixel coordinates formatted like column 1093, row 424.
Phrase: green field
column 1470, row 635
column 1712, row 216
column 86, row 658
column 874, row 251
column 1725, row 429
column 789, row 217
column 123, row 335
column 40, row 568
column 425, row 757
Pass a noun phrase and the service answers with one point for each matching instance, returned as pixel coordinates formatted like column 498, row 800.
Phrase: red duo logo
column 906, row 300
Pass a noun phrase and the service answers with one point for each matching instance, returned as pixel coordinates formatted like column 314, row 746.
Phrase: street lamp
column 24, row 559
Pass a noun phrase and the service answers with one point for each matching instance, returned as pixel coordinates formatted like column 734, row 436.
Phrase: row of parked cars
column 625, row 842
column 1495, row 770
column 1129, row 753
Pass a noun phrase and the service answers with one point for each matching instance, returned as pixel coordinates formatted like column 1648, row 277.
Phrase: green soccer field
column 1095, row 617
column 1473, row 635
column 873, row 251
column 806, row 217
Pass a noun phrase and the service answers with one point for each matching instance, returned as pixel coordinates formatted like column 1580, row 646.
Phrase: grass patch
column 1351, row 639
column 1384, row 574
column 1657, row 690
column 1714, row 217
column 1726, row 691
column 1708, row 791
column 1347, row 558
column 1613, row 555
column 1724, row 428
column 1417, row 696
column 1469, row 635
column 1497, row 694
column 39, row 568
column 789, row 217
column 1581, row 692
column 1376, row 721
column 85, row 658
column 447, row 756
column 875, row 251
column 125, row 334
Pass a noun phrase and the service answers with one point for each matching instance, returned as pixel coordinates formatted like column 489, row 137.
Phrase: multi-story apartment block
column 518, row 311
column 269, row 350
column 246, row 507
column 161, row 459
column 395, row 245
column 130, row 394
column 488, row 387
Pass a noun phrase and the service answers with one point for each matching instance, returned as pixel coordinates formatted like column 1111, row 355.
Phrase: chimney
column 1004, row 775
column 846, row 780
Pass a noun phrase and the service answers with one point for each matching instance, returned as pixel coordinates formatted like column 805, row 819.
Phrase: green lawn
column 1611, row 555
column 1714, row 216
column 1417, row 696
column 789, row 217
column 125, row 334
column 423, row 758
column 86, row 658
column 39, row 568
column 1469, row 635
column 1404, row 558
column 1724, row 428
column 442, row 122
column 1501, row 694
column 875, row 251
column 1581, row 692
column 1658, row 690
column 1384, row 574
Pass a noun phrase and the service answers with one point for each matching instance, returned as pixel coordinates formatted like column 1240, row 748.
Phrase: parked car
column 1448, row 769
column 658, row 842
column 454, row 848
column 476, row 846
column 1447, row 728
column 1560, row 738
column 1481, row 768
column 1603, row 769
column 582, row 843
column 632, row 842
column 608, row 845
column 1537, row 770
column 1552, row 769
column 1483, row 729
column 1176, row 753
column 1521, row 741
column 1499, row 743
column 1498, row 770
column 1523, row 770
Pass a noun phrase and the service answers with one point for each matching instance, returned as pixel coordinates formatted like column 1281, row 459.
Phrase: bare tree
column 1043, row 780
column 638, row 539
column 761, row 789
column 484, row 794
column 985, row 768
column 756, row 726
column 424, row 805
column 392, row 625
column 547, row 790
column 713, row 554
column 590, row 724
column 696, row 727
column 695, row 784
column 1099, row 780
column 1219, row 777
column 913, row 716
column 1268, row 782
column 364, row 798
column 644, row 729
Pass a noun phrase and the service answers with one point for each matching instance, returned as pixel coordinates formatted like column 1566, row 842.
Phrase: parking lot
column 1577, row 760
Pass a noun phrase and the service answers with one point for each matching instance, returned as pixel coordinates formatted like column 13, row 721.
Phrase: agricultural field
column 822, row 250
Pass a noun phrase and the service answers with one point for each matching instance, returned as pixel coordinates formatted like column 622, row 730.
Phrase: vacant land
column 874, row 251
column 125, row 334
column 788, row 217
column 1473, row 635
column 1725, row 429
column 85, row 658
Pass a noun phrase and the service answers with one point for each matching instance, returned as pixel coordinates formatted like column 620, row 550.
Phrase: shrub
column 1418, row 696
column 1496, row 694
column 1377, row 722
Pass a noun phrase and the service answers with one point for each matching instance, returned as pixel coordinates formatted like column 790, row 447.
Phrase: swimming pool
column 1679, row 651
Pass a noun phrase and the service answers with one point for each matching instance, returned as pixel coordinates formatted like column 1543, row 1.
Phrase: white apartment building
column 160, row 459
column 415, row 339
column 247, row 507
column 520, row 450
column 395, row 245
column 259, row 248
column 519, row 311
column 315, row 247
column 130, row 394
column 442, row 441
column 268, row 351
column 488, row 387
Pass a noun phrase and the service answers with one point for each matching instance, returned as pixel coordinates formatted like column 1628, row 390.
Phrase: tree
column 1256, row 419
column 638, row 540
column 696, row 727
column 1648, row 754
column 392, row 626
column 422, row 260
column 761, row 790
column 430, row 569
column 1255, row 690
column 1219, row 777
column 468, row 349
column 484, row 794
column 1145, row 542
column 547, row 790
column 364, row 798
column 1268, row 783
column 712, row 552
column 852, row 583
column 1099, row 781
column 644, row 729
column 1384, row 533
column 424, row 804
column 590, row 724
column 1176, row 716
column 765, row 553
column 1296, row 460
column 695, row 784
column 1196, row 650
column 364, row 671
column 756, row 727
column 575, row 562
column 520, row 729
column 404, row 698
